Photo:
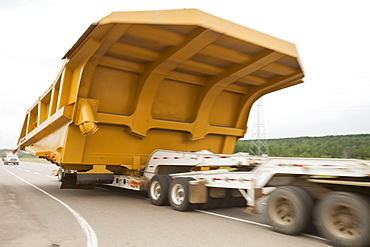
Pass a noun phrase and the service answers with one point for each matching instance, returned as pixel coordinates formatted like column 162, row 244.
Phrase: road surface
column 35, row 212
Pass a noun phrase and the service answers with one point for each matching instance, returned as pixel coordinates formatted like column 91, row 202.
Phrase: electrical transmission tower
column 258, row 145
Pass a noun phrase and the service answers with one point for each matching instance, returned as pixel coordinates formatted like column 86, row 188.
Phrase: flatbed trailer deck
column 332, row 194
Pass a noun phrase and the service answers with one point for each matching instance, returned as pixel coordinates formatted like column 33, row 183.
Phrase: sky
column 332, row 38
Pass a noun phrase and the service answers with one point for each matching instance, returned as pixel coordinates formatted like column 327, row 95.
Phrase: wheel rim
column 155, row 190
column 178, row 194
column 344, row 221
column 282, row 211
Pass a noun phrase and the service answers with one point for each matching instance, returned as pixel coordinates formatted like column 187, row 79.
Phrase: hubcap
column 344, row 222
column 178, row 194
column 156, row 190
column 283, row 211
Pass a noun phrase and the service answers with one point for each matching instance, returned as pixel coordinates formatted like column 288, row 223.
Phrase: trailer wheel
column 211, row 203
column 179, row 194
column 158, row 190
column 60, row 174
column 240, row 201
column 344, row 218
column 289, row 209
column 228, row 201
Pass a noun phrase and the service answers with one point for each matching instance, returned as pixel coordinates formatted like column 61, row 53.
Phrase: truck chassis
column 331, row 194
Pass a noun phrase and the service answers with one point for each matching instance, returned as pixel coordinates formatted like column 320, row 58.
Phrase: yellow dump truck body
column 135, row 82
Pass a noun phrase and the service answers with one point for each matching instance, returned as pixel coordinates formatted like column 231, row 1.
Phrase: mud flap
column 85, row 181
column 197, row 192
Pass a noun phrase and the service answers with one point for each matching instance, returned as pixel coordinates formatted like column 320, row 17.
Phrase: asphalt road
column 35, row 212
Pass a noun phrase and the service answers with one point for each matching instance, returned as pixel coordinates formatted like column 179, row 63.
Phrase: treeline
column 341, row 146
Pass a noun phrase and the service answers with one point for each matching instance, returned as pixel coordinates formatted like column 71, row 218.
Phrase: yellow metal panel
column 223, row 110
column 182, row 77
column 199, row 18
column 53, row 101
column 47, row 128
column 134, row 52
column 140, row 81
column 252, row 80
column 156, row 35
column 32, row 119
column 38, row 151
column 225, row 53
column 123, row 65
column 74, row 146
column 175, row 101
column 200, row 68
column 65, row 86
column 116, row 94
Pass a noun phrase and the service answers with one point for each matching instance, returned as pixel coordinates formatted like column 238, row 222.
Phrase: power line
column 258, row 144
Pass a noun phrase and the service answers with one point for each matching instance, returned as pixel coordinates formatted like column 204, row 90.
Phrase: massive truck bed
column 135, row 82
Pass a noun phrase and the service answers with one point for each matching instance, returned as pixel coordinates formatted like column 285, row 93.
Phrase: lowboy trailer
column 136, row 84
column 333, row 194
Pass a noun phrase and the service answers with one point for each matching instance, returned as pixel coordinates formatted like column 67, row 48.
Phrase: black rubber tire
column 344, row 219
column 289, row 210
column 158, row 190
column 228, row 201
column 240, row 201
column 178, row 195
column 309, row 202
column 211, row 203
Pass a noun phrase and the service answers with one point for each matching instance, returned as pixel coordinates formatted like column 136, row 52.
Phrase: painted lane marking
column 313, row 236
column 92, row 240
column 201, row 211
column 233, row 218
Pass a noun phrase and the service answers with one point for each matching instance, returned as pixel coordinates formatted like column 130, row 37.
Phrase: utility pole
column 258, row 144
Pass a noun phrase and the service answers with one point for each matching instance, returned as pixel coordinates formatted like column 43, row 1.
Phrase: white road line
column 92, row 240
column 313, row 236
column 253, row 223
column 233, row 218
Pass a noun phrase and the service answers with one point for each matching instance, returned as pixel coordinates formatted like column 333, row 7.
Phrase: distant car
column 11, row 158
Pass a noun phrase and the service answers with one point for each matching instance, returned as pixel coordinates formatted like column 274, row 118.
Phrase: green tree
column 340, row 146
